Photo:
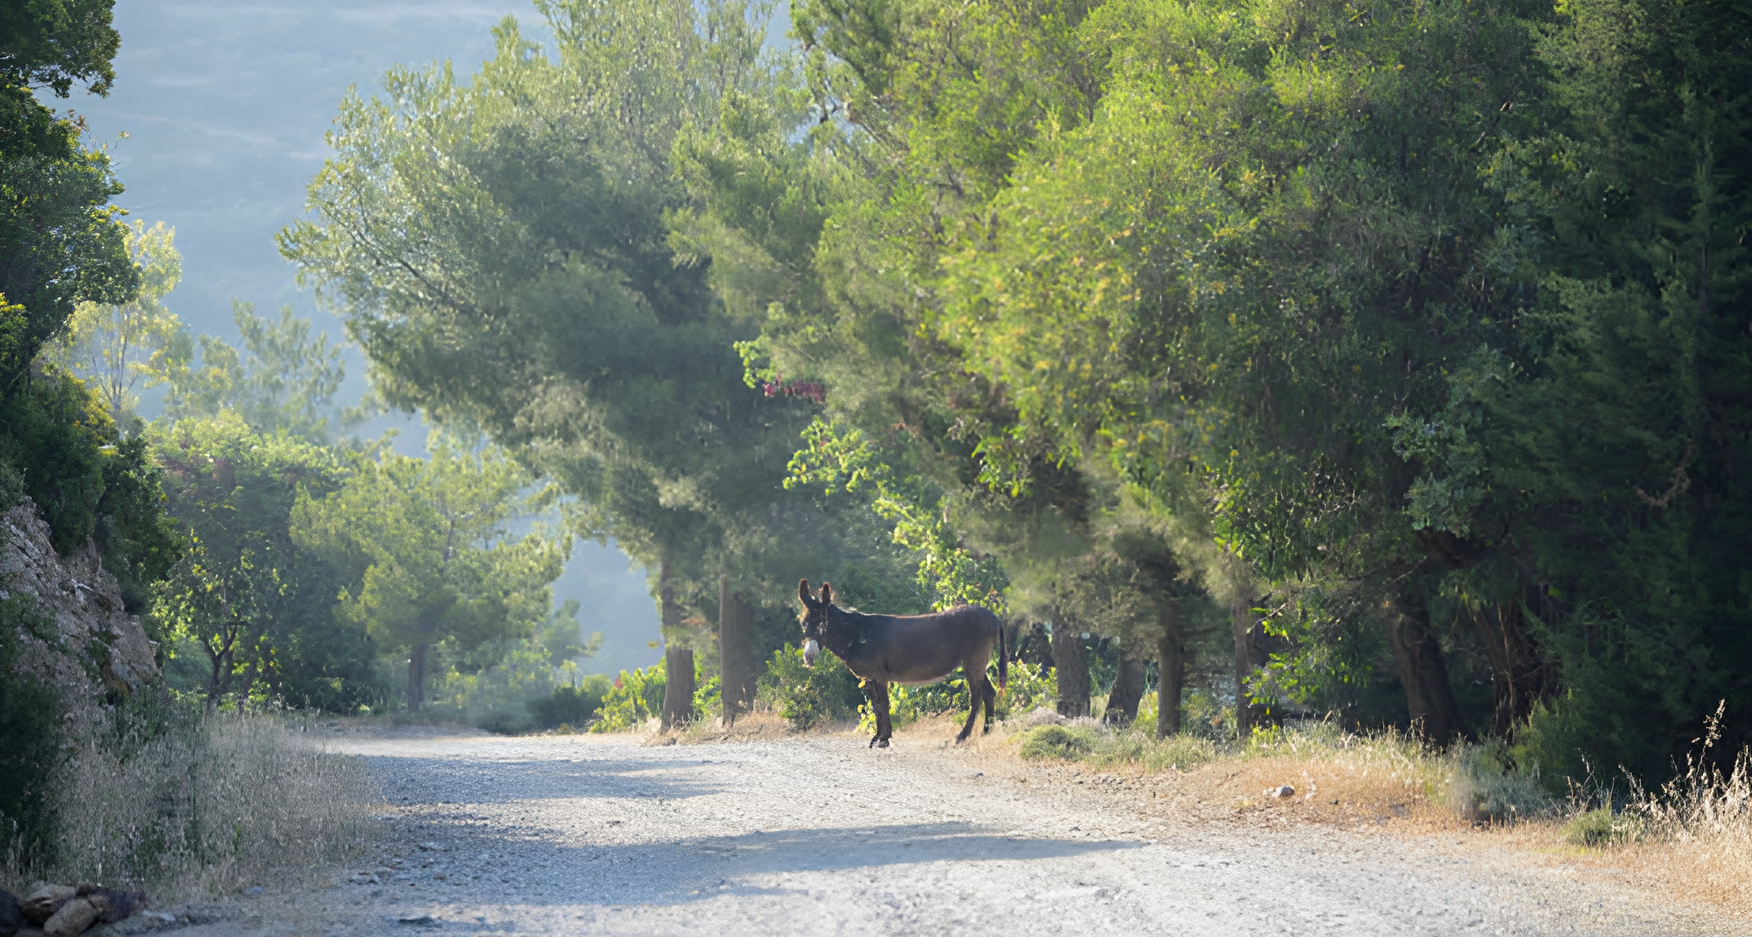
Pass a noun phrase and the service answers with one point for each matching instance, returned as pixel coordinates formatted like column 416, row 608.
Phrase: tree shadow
column 697, row 869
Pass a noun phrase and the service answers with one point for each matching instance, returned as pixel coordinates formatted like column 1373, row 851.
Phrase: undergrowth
column 155, row 797
column 1472, row 781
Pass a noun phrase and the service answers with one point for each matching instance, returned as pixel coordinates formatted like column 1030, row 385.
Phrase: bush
column 1599, row 827
column 1057, row 742
column 170, row 802
column 572, row 706
column 808, row 696
column 635, row 699
column 59, row 447
column 152, row 796
column 30, row 736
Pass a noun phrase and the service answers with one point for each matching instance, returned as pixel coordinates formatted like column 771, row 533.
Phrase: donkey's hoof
column 881, row 743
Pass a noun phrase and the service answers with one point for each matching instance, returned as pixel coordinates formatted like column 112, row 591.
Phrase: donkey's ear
column 826, row 594
column 803, row 593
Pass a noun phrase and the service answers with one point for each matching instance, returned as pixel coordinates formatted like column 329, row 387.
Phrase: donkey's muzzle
column 811, row 650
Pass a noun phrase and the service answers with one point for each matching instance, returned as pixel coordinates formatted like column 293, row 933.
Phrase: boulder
column 72, row 920
column 11, row 914
column 111, row 905
column 42, row 903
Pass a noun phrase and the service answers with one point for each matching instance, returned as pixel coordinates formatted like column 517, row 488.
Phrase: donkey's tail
column 1003, row 660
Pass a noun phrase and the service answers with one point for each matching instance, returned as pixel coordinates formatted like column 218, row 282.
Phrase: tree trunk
column 1418, row 657
column 416, row 677
column 1518, row 670
column 738, row 670
column 1071, row 661
column 1170, row 670
column 1128, row 688
column 1246, row 628
column 678, row 662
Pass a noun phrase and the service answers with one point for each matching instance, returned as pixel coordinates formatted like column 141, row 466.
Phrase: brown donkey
column 884, row 649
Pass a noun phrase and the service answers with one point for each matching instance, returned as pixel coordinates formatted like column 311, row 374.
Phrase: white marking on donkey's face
column 811, row 649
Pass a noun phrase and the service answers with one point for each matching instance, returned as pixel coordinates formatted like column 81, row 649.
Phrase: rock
column 11, row 914
column 1280, row 791
column 93, row 650
column 72, row 920
column 41, row 904
column 30, row 932
column 111, row 905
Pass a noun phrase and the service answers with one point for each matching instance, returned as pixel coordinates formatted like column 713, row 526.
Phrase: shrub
column 635, row 698
column 173, row 803
column 808, row 696
column 59, row 447
column 1057, row 742
column 1599, row 827
column 152, row 796
column 30, row 737
column 571, row 706
column 707, row 701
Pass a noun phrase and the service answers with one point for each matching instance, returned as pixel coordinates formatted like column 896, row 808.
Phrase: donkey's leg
column 991, row 705
column 875, row 692
column 884, row 727
column 976, row 684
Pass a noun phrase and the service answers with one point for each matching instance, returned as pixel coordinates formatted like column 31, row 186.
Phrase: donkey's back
column 926, row 648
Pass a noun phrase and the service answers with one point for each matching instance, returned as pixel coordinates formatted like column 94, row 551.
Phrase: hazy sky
column 225, row 105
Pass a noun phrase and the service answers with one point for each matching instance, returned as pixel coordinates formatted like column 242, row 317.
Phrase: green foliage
column 243, row 588
column 571, row 706
column 1599, row 827
column 1055, row 742
column 1031, row 687
column 283, row 380
column 54, row 43
column 59, row 448
column 61, row 242
column 634, row 699
column 30, row 742
column 809, row 696
column 498, row 695
column 426, row 551
column 562, row 637
column 115, row 346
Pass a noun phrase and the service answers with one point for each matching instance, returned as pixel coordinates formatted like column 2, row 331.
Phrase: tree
column 501, row 249
column 231, row 490
column 115, row 346
column 431, row 552
column 285, row 384
column 60, row 240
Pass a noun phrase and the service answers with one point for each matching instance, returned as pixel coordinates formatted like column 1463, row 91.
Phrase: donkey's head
column 814, row 618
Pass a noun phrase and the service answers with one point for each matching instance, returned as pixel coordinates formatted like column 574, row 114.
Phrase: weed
column 182, row 806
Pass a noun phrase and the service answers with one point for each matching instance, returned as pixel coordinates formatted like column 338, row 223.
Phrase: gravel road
column 819, row 835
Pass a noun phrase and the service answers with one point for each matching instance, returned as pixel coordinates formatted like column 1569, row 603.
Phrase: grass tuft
column 186, row 807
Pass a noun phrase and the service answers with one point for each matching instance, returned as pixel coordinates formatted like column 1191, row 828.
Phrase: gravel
column 819, row 835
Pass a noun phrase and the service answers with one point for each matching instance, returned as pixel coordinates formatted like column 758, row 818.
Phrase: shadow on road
column 696, row 869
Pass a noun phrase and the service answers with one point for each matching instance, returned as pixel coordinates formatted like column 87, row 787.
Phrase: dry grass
column 202, row 809
column 1694, row 834
column 1336, row 775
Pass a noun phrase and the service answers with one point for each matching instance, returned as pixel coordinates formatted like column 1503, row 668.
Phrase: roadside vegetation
column 1360, row 384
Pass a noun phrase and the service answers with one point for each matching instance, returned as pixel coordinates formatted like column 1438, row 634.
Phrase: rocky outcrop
column 87, row 642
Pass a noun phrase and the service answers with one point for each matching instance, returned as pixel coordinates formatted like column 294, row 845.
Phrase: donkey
column 884, row 649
